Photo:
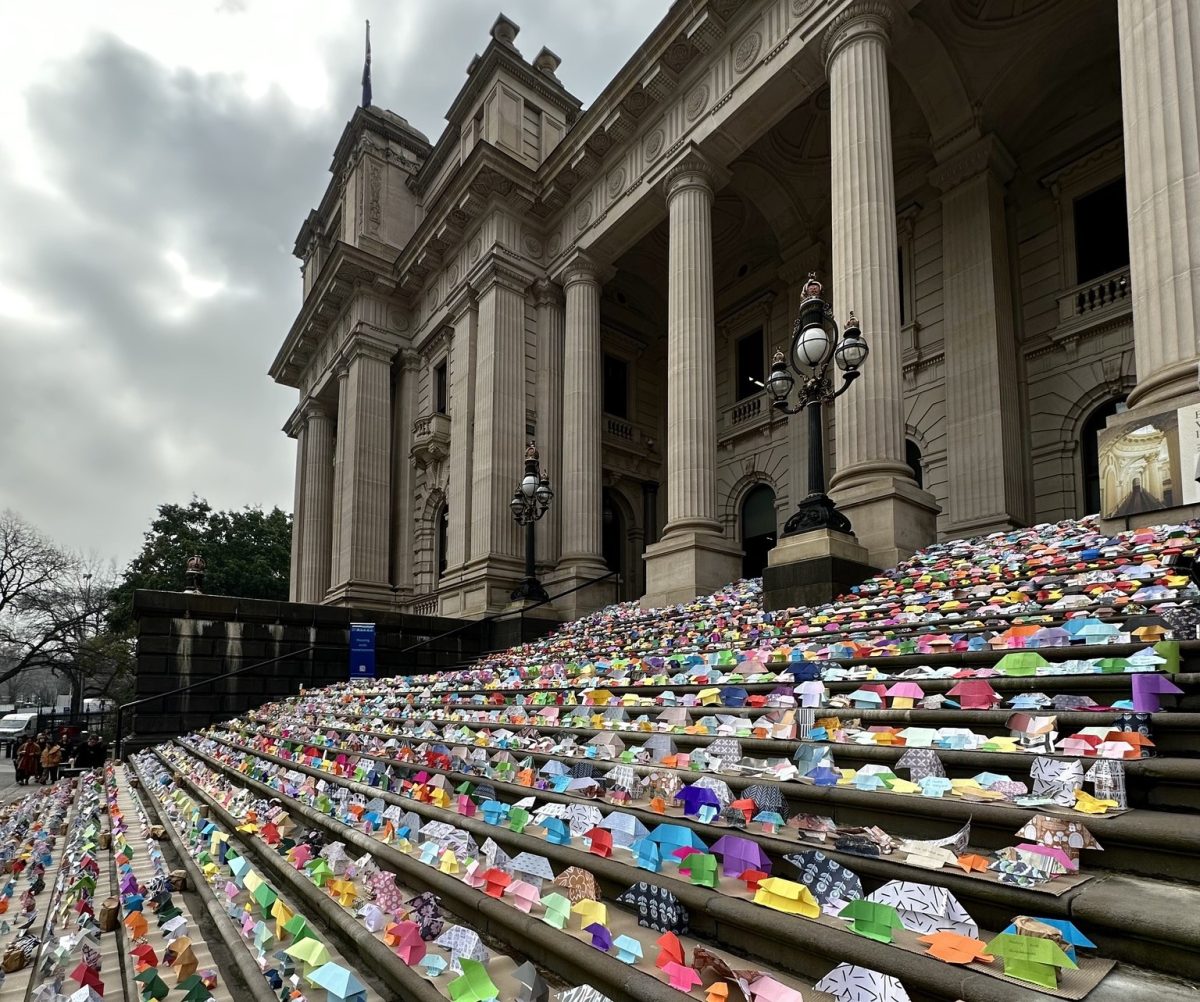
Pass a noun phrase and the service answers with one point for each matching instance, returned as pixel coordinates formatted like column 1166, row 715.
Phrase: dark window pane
column 439, row 389
column 912, row 456
column 1089, row 446
column 443, row 534
column 616, row 387
column 1101, row 231
column 751, row 365
column 903, row 287
column 758, row 530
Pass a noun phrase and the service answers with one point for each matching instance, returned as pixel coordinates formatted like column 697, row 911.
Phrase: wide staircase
column 974, row 778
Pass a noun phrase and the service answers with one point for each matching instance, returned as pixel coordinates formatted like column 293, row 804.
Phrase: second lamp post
column 814, row 345
column 530, row 501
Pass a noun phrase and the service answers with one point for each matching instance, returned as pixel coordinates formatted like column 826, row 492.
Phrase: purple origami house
column 739, row 855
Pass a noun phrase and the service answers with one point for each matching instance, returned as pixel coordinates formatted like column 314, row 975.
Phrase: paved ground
column 9, row 791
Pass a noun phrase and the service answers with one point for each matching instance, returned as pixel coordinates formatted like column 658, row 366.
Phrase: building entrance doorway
column 759, row 532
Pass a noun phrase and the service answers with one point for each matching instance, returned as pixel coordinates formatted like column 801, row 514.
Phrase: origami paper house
column 904, row 694
column 629, row 950
column 432, row 964
column 152, row 986
column 463, row 944
column 955, row 949
column 1029, row 958
column 740, row 854
column 786, row 896
column 599, row 842
column 1066, row 834
column 975, row 694
column 849, row 983
column 872, row 919
column 405, row 939
column 1108, row 779
column 533, row 986
column 340, row 984
column 656, row 907
column 826, row 879
column 681, row 977
column 310, row 952
column 601, row 937
column 473, row 985
column 767, row 989
column 558, row 910
column 670, row 951
column 925, row 909
column 1056, row 780
column 703, row 869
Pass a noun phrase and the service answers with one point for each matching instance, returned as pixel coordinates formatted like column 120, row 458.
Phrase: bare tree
column 51, row 603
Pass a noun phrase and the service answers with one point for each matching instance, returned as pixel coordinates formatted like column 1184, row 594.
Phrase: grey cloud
column 111, row 408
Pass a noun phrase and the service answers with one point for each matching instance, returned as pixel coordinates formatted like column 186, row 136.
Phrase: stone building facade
column 1006, row 193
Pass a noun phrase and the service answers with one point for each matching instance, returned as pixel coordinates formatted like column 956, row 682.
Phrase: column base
column 588, row 598
column 480, row 587
column 892, row 518
column 689, row 562
column 812, row 568
column 362, row 595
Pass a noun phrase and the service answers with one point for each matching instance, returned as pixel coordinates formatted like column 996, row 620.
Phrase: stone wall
column 186, row 638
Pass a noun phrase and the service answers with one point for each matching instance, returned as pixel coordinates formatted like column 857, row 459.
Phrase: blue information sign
column 362, row 650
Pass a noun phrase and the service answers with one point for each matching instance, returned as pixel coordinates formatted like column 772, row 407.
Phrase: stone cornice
column 347, row 267
column 861, row 18
column 496, row 268
column 987, row 154
column 486, row 172
column 365, row 342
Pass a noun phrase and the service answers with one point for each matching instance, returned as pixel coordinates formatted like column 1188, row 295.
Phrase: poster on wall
column 1141, row 465
column 1189, row 453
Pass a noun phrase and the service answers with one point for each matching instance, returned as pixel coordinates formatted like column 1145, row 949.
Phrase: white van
column 16, row 727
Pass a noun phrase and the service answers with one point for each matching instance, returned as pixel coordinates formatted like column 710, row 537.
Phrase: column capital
column 547, row 292
column 495, row 270
column 313, row 408
column 461, row 301
column 411, row 361
column 365, row 345
column 863, row 18
column 986, row 154
column 688, row 170
column 581, row 269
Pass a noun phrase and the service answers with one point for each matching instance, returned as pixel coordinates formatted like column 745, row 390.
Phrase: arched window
column 758, row 530
column 912, row 456
column 1089, row 453
column 612, row 534
column 443, row 536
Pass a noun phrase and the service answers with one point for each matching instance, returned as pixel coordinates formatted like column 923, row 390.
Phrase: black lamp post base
column 530, row 590
column 817, row 511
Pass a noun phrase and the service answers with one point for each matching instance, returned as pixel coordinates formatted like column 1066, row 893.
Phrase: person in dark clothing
column 92, row 754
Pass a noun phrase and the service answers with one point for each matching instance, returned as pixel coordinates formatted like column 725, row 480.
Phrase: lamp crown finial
column 813, row 287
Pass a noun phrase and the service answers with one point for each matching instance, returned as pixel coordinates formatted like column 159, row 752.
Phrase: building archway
column 759, row 529
column 441, row 541
column 1089, row 453
column 612, row 537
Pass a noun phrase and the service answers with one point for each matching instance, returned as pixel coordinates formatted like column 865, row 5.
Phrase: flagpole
column 366, row 76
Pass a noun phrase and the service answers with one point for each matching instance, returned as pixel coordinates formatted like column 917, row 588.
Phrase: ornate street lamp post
column 814, row 345
column 530, row 501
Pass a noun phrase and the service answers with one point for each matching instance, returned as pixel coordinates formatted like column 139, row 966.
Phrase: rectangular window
column 751, row 365
column 1101, row 231
column 531, row 133
column 439, row 389
column 616, row 387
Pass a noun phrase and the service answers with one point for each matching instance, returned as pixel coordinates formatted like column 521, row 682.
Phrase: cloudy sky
column 156, row 160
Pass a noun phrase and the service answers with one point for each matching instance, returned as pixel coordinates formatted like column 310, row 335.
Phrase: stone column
column 693, row 557
column 872, row 483
column 983, row 410
column 500, row 439
column 1160, row 64
column 295, row 429
column 581, row 482
column 315, row 524
column 336, row 571
column 404, row 413
column 549, row 404
column 365, row 475
column 462, row 419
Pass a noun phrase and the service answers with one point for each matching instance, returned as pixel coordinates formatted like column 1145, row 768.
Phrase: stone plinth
column 892, row 517
column 811, row 568
column 685, row 564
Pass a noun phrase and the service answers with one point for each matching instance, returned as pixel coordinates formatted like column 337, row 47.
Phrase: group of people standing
column 41, row 758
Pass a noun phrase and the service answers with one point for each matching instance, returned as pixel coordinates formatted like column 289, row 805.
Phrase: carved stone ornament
column 374, row 193
column 747, row 51
column 654, row 144
column 583, row 215
column 802, row 7
column 616, row 181
column 696, row 103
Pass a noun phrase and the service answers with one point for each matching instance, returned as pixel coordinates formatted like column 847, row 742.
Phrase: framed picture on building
column 1140, row 466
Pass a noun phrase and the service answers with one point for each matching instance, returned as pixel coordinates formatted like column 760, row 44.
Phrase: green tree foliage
column 248, row 553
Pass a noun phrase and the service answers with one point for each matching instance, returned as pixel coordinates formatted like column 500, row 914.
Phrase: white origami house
column 926, row 909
